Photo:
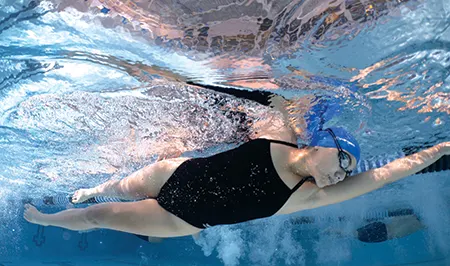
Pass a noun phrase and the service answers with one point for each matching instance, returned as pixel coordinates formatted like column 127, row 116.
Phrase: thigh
column 149, row 180
column 145, row 217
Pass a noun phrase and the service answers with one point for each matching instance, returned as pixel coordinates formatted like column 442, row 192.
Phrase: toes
column 29, row 207
column 78, row 196
column 28, row 213
column 81, row 195
column 32, row 215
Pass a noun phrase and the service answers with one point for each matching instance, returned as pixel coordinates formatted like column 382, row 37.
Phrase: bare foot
column 82, row 195
column 32, row 215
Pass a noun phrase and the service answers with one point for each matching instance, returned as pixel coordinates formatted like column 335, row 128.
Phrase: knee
column 93, row 216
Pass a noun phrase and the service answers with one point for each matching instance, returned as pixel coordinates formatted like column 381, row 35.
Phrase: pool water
column 93, row 90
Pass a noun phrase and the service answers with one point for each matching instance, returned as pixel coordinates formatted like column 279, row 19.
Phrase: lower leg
column 107, row 189
column 117, row 188
column 141, row 184
column 72, row 219
column 143, row 217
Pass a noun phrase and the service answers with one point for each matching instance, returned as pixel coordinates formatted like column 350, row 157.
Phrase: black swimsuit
column 227, row 188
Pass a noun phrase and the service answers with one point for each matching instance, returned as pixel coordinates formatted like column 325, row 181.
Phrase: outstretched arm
column 363, row 183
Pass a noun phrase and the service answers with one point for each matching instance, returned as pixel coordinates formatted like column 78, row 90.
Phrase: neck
column 299, row 163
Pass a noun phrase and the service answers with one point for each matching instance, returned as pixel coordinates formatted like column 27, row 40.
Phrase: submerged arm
column 277, row 126
column 271, row 127
column 363, row 183
column 281, row 127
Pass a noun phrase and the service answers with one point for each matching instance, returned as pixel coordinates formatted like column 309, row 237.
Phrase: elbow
column 382, row 176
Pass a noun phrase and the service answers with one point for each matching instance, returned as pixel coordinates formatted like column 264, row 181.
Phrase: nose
column 339, row 175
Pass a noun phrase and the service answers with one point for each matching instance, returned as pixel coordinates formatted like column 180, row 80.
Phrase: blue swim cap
column 323, row 138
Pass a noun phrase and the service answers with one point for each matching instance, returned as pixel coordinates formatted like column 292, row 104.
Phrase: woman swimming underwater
column 263, row 177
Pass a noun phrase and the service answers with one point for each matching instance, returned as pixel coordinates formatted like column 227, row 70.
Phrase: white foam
column 226, row 240
column 274, row 246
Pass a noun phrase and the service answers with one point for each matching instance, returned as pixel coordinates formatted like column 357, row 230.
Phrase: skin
column 147, row 217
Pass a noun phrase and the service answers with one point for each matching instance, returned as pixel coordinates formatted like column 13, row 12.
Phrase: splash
column 235, row 244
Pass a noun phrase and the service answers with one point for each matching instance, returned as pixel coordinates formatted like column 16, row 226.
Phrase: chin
column 323, row 184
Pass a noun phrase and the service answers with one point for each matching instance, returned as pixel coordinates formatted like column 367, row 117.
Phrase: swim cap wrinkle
column 323, row 138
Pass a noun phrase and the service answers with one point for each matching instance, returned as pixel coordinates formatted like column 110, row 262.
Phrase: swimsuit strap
column 299, row 184
column 283, row 142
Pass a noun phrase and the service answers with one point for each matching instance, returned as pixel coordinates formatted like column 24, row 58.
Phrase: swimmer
column 266, row 176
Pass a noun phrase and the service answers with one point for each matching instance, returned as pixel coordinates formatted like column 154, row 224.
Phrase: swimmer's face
column 325, row 167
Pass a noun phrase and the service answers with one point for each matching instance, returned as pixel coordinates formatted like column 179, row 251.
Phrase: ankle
column 42, row 219
column 94, row 192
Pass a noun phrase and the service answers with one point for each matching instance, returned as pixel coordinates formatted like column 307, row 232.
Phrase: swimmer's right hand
column 444, row 148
